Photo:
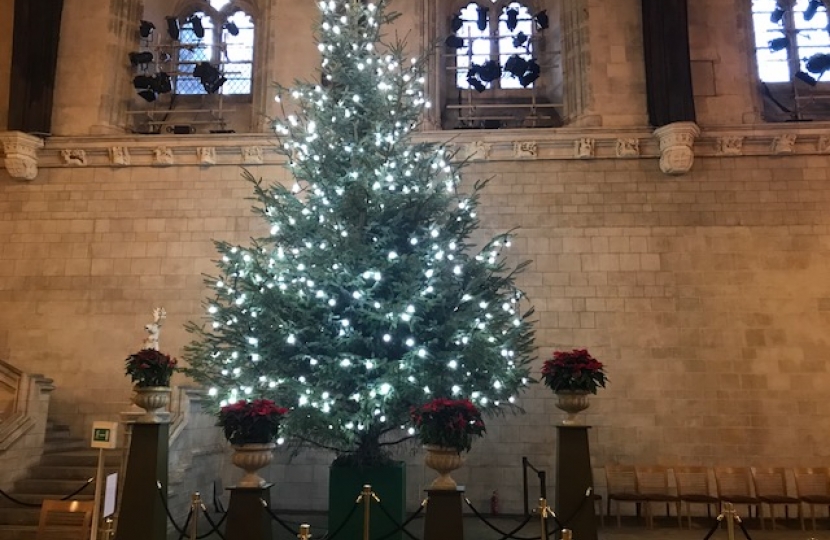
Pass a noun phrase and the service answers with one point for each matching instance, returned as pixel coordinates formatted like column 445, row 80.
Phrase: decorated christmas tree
column 368, row 296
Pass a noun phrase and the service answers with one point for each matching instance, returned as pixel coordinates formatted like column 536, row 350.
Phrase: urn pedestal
column 572, row 402
column 251, row 458
column 443, row 461
column 154, row 400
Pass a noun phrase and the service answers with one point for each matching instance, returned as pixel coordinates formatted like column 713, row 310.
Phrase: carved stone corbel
column 21, row 154
column 677, row 141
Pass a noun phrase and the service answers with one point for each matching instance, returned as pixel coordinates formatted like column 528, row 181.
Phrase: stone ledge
column 475, row 145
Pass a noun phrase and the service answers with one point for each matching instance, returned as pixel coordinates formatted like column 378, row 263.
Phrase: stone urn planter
column 572, row 402
column 154, row 400
column 251, row 458
column 443, row 461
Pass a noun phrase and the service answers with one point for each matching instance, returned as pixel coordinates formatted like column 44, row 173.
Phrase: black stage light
column 140, row 58
column 519, row 39
column 198, row 27
column 532, row 73
column 457, row 23
column 818, row 63
column 148, row 95
column 483, row 18
column 475, row 82
column 162, row 83
column 210, row 77
column 812, row 8
column 512, row 18
column 777, row 14
column 454, row 42
column 146, row 29
column 806, row 78
column 142, row 82
column 778, row 44
column 516, row 66
column 489, row 71
column 173, row 28
column 232, row 28
column 542, row 19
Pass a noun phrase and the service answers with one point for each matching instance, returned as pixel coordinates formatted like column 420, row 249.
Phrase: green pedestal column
column 574, row 506
column 248, row 518
column 141, row 515
column 444, row 519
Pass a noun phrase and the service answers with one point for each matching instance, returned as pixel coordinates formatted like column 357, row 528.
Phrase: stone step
column 68, row 472
column 18, row 532
column 19, row 515
column 80, row 458
column 53, row 488
column 52, row 446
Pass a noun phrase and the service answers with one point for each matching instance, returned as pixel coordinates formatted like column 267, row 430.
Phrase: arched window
column 221, row 35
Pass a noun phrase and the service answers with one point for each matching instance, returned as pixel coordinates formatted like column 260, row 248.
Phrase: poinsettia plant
column 251, row 422
column 448, row 423
column 574, row 370
column 149, row 367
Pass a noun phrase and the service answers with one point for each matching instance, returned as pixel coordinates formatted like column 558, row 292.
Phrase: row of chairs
column 753, row 487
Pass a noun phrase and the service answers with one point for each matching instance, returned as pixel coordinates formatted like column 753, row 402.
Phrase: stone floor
column 632, row 529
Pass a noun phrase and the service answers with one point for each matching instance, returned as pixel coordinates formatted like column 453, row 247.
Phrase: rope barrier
column 400, row 526
column 221, row 521
column 186, row 523
column 506, row 535
column 215, row 528
column 327, row 536
column 743, row 527
column 276, row 518
column 179, row 530
column 40, row 504
column 714, row 528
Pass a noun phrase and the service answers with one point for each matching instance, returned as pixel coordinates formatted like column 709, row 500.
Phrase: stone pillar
column 265, row 63
column 6, row 36
column 576, row 65
column 20, row 152
column 677, row 154
column 94, row 80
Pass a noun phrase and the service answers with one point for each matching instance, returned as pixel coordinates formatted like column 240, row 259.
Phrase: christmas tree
column 368, row 296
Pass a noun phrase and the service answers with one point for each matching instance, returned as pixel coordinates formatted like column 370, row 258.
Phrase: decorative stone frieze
column 584, row 148
column 731, row 146
column 119, row 156
column 163, row 155
column 628, row 147
column 206, row 155
column 823, row 144
column 784, row 144
column 677, row 140
column 252, row 155
column 476, row 151
column 526, row 150
column 75, row 158
column 20, row 150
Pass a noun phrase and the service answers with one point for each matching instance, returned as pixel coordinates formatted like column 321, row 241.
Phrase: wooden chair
column 812, row 487
column 653, row 486
column 733, row 485
column 621, row 482
column 771, row 489
column 693, row 487
column 65, row 520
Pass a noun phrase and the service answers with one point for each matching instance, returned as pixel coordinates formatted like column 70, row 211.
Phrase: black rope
column 40, row 504
column 563, row 524
column 329, row 535
column 743, row 529
column 221, row 521
column 276, row 518
column 713, row 529
column 167, row 510
column 186, row 523
column 399, row 526
column 214, row 525
column 506, row 535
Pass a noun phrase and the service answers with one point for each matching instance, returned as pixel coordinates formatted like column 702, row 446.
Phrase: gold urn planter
column 251, row 458
column 154, row 400
column 443, row 461
column 572, row 402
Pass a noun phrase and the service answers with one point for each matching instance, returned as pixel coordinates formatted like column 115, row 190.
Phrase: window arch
column 220, row 35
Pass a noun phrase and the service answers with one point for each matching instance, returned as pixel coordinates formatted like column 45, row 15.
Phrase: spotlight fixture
column 475, row 82
column 148, row 95
column 778, row 44
column 489, row 71
column 198, row 27
column 457, row 23
column 483, row 16
column 806, row 78
column 210, row 77
column 542, row 19
column 512, row 18
column 812, row 8
column 141, row 58
column 454, row 42
column 162, row 83
column 146, row 29
column 818, row 63
column 173, row 28
column 777, row 14
column 232, row 28
column 150, row 86
column 516, row 66
column 142, row 82
column 519, row 39
column 532, row 73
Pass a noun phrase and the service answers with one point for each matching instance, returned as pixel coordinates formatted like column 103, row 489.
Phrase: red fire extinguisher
column 494, row 503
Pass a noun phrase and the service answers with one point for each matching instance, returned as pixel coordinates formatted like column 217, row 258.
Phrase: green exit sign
column 104, row 435
column 101, row 435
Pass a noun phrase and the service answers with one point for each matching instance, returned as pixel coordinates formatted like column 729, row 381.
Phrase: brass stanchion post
column 195, row 506
column 366, row 496
column 567, row 534
column 544, row 513
column 305, row 532
column 729, row 510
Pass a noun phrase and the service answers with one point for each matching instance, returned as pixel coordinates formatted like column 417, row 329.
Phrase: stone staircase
column 67, row 463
